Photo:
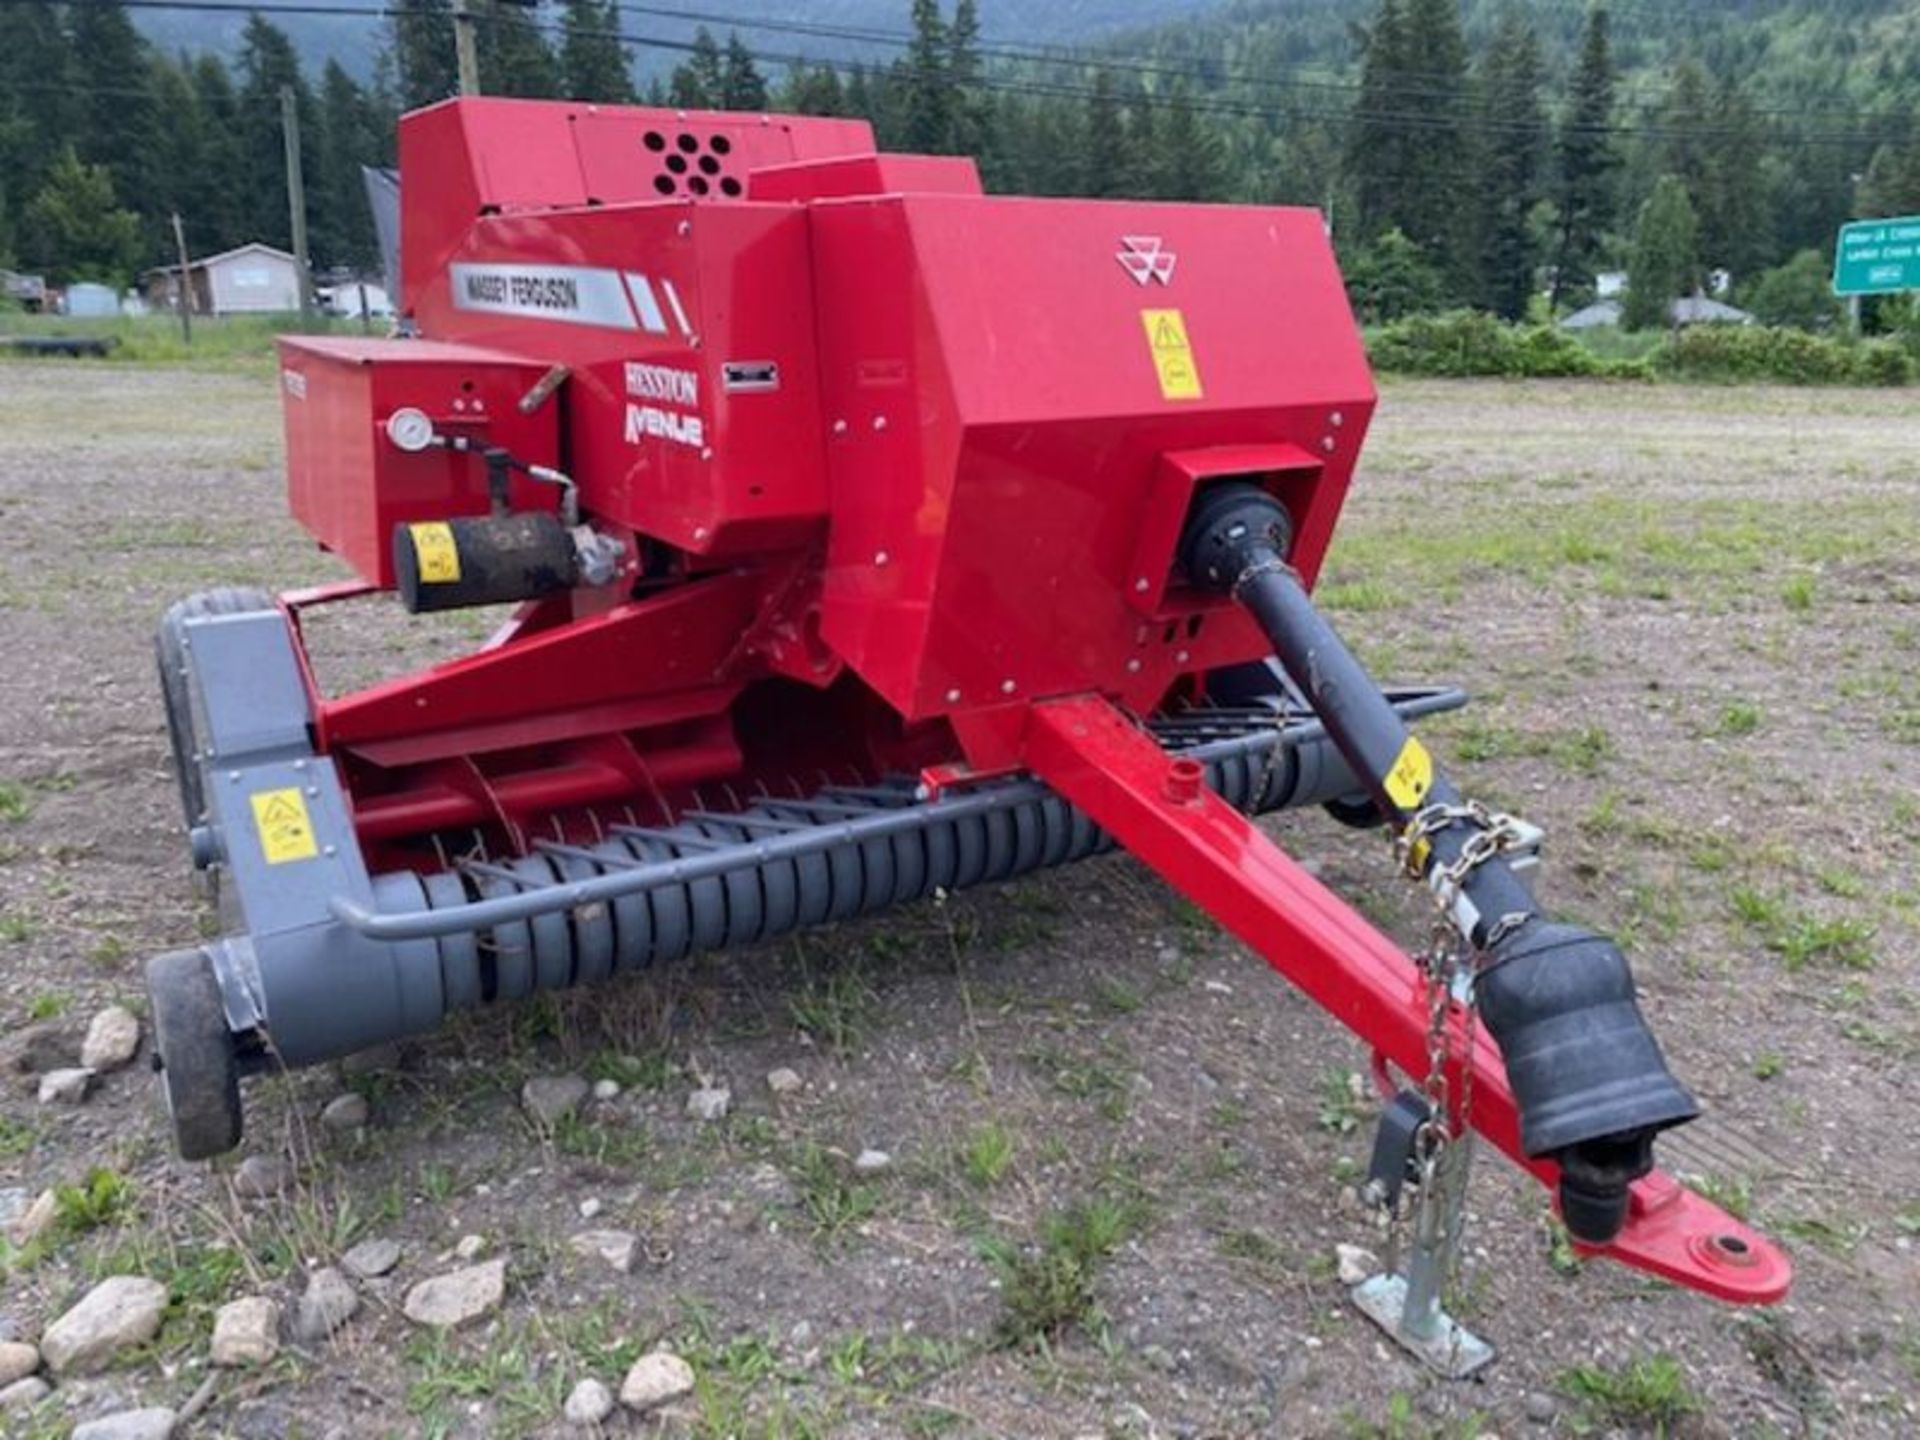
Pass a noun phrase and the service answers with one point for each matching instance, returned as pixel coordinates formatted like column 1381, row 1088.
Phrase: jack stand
column 1408, row 1306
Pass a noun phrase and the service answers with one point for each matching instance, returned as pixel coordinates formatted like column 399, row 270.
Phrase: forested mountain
column 659, row 33
column 1466, row 151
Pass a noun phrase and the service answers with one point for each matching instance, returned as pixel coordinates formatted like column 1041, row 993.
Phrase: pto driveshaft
column 1587, row 1075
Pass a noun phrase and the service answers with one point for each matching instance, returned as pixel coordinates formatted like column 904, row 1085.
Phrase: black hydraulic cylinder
column 1587, row 1075
column 483, row 560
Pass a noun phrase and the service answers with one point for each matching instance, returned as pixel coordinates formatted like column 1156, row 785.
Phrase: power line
column 1456, row 121
column 1455, row 94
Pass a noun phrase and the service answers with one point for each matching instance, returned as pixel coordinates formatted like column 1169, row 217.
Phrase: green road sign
column 1877, row 257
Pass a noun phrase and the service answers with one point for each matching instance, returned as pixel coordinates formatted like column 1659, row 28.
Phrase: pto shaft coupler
column 1587, row 1075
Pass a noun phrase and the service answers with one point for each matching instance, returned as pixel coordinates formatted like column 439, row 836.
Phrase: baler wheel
column 1356, row 812
column 169, row 645
column 194, row 1054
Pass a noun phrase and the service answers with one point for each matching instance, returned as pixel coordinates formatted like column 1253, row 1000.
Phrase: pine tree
column 1891, row 184
column 215, row 210
column 971, row 121
column 1662, row 267
column 593, row 62
column 423, row 51
column 813, row 90
column 1376, row 152
column 349, row 138
column 1685, row 151
column 929, row 109
column 1188, row 162
column 1510, row 158
column 1735, row 226
column 39, row 109
column 1587, row 162
column 1143, row 147
column 114, row 120
column 1436, row 143
column 75, row 228
column 1106, row 165
column 267, row 64
column 177, row 164
column 741, row 85
column 699, row 80
column 859, row 94
column 515, row 58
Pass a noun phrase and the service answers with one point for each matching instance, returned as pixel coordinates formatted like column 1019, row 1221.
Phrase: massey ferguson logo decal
column 1142, row 258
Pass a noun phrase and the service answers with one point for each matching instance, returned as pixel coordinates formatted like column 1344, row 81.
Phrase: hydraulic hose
column 1587, row 1075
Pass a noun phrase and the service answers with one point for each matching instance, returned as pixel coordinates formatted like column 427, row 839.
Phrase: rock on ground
column 346, row 1112
column 1354, row 1263
column 872, row 1162
column 151, row 1424
column 447, row 1301
column 656, row 1380
column 121, row 1311
column 329, row 1302
column 616, row 1247
column 246, row 1332
column 112, row 1038
column 24, row 1394
column 261, row 1176
column 384, row 1056
column 606, row 1090
column 17, row 1361
column 709, row 1104
column 783, row 1081
column 549, row 1099
column 65, row 1087
column 371, row 1258
column 38, row 1219
column 36, row 1049
column 589, row 1404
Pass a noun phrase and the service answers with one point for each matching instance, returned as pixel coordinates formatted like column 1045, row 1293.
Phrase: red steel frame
column 1097, row 758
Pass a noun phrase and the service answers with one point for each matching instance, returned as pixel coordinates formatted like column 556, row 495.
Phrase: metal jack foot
column 1408, row 1306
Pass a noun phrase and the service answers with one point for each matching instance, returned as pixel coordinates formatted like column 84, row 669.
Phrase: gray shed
column 89, row 299
column 252, row 279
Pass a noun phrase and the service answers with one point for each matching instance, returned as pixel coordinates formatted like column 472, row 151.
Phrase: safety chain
column 1448, row 954
column 1495, row 832
column 1271, row 763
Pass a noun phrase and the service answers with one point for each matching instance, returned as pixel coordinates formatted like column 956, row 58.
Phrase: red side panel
column 1003, row 384
column 349, row 486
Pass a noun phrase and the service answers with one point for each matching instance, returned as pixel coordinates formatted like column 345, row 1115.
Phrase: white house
column 251, row 279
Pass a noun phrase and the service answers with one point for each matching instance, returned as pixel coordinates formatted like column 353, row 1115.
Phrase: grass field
column 1122, row 1150
column 228, row 342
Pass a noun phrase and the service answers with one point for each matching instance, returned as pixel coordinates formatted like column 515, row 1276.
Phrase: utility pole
column 183, row 292
column 466, row 56
column 296, row 197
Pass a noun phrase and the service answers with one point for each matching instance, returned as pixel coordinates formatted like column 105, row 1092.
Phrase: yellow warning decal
column 1172, row 354
column 285, row 831
column 433, row 547
column 1411, row 776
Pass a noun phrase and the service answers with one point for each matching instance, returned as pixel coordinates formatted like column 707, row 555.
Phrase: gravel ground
column 1118, row 1151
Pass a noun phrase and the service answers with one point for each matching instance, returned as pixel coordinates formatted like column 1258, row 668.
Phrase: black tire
column 169, row 648
column 193, row 1051
column 1356, row 812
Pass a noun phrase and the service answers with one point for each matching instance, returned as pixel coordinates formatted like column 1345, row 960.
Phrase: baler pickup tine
column 669, row 837
column 498, row 872
column 826, row 807
column 580, row 852
column 744, row 820
column 888, row 796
